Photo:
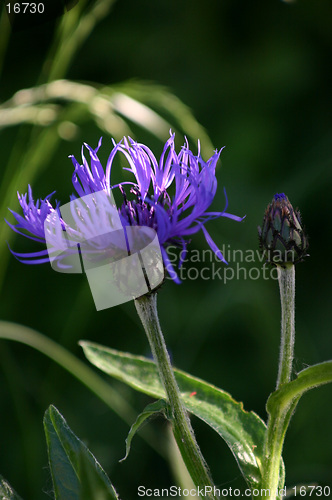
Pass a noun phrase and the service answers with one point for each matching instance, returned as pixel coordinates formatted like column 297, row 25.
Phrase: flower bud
column 282, row 238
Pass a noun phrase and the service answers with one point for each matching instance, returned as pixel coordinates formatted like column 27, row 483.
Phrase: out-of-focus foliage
column 257, row 76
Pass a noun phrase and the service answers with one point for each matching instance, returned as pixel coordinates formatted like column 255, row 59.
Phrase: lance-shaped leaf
column 72, row 464
column 243, row 431
column 151, row 410
column 93, row 485
column 307, row 379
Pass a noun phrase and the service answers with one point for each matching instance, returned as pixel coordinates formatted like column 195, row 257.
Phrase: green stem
column 280, row 416
column 147, row 310
column 275, row 436
column 287, row 297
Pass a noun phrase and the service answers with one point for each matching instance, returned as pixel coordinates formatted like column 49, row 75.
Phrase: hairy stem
column 147, row 310
column 279, row 418
column 287, row 297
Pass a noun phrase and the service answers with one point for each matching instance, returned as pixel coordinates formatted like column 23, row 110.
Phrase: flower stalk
column 284, row 243
column 279, row 419
column 286, row 277
column 183, row 432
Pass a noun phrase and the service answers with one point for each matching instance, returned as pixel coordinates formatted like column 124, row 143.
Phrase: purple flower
column 34, row 215
column 172, row 196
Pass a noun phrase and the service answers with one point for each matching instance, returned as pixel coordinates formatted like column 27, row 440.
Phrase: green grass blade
column 25, row 335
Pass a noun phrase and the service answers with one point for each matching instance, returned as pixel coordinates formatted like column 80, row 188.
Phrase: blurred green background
column 257, row 77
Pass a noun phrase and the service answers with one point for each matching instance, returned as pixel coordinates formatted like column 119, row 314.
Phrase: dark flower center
column 137, row 212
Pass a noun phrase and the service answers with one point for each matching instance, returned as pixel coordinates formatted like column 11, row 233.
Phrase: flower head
column 31, row 225
column 172, row 196
column 282, row 238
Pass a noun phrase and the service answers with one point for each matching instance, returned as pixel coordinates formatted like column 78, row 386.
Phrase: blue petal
column 213, row 246
column 169, row 267
column 14, row 228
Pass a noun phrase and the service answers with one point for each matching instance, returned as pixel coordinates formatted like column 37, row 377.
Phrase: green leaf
column 285, row 399
column 92, row 482
column 307, row 379
column 72, row 464
column 243, row 431
column 6, row 491
column 151, row 410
